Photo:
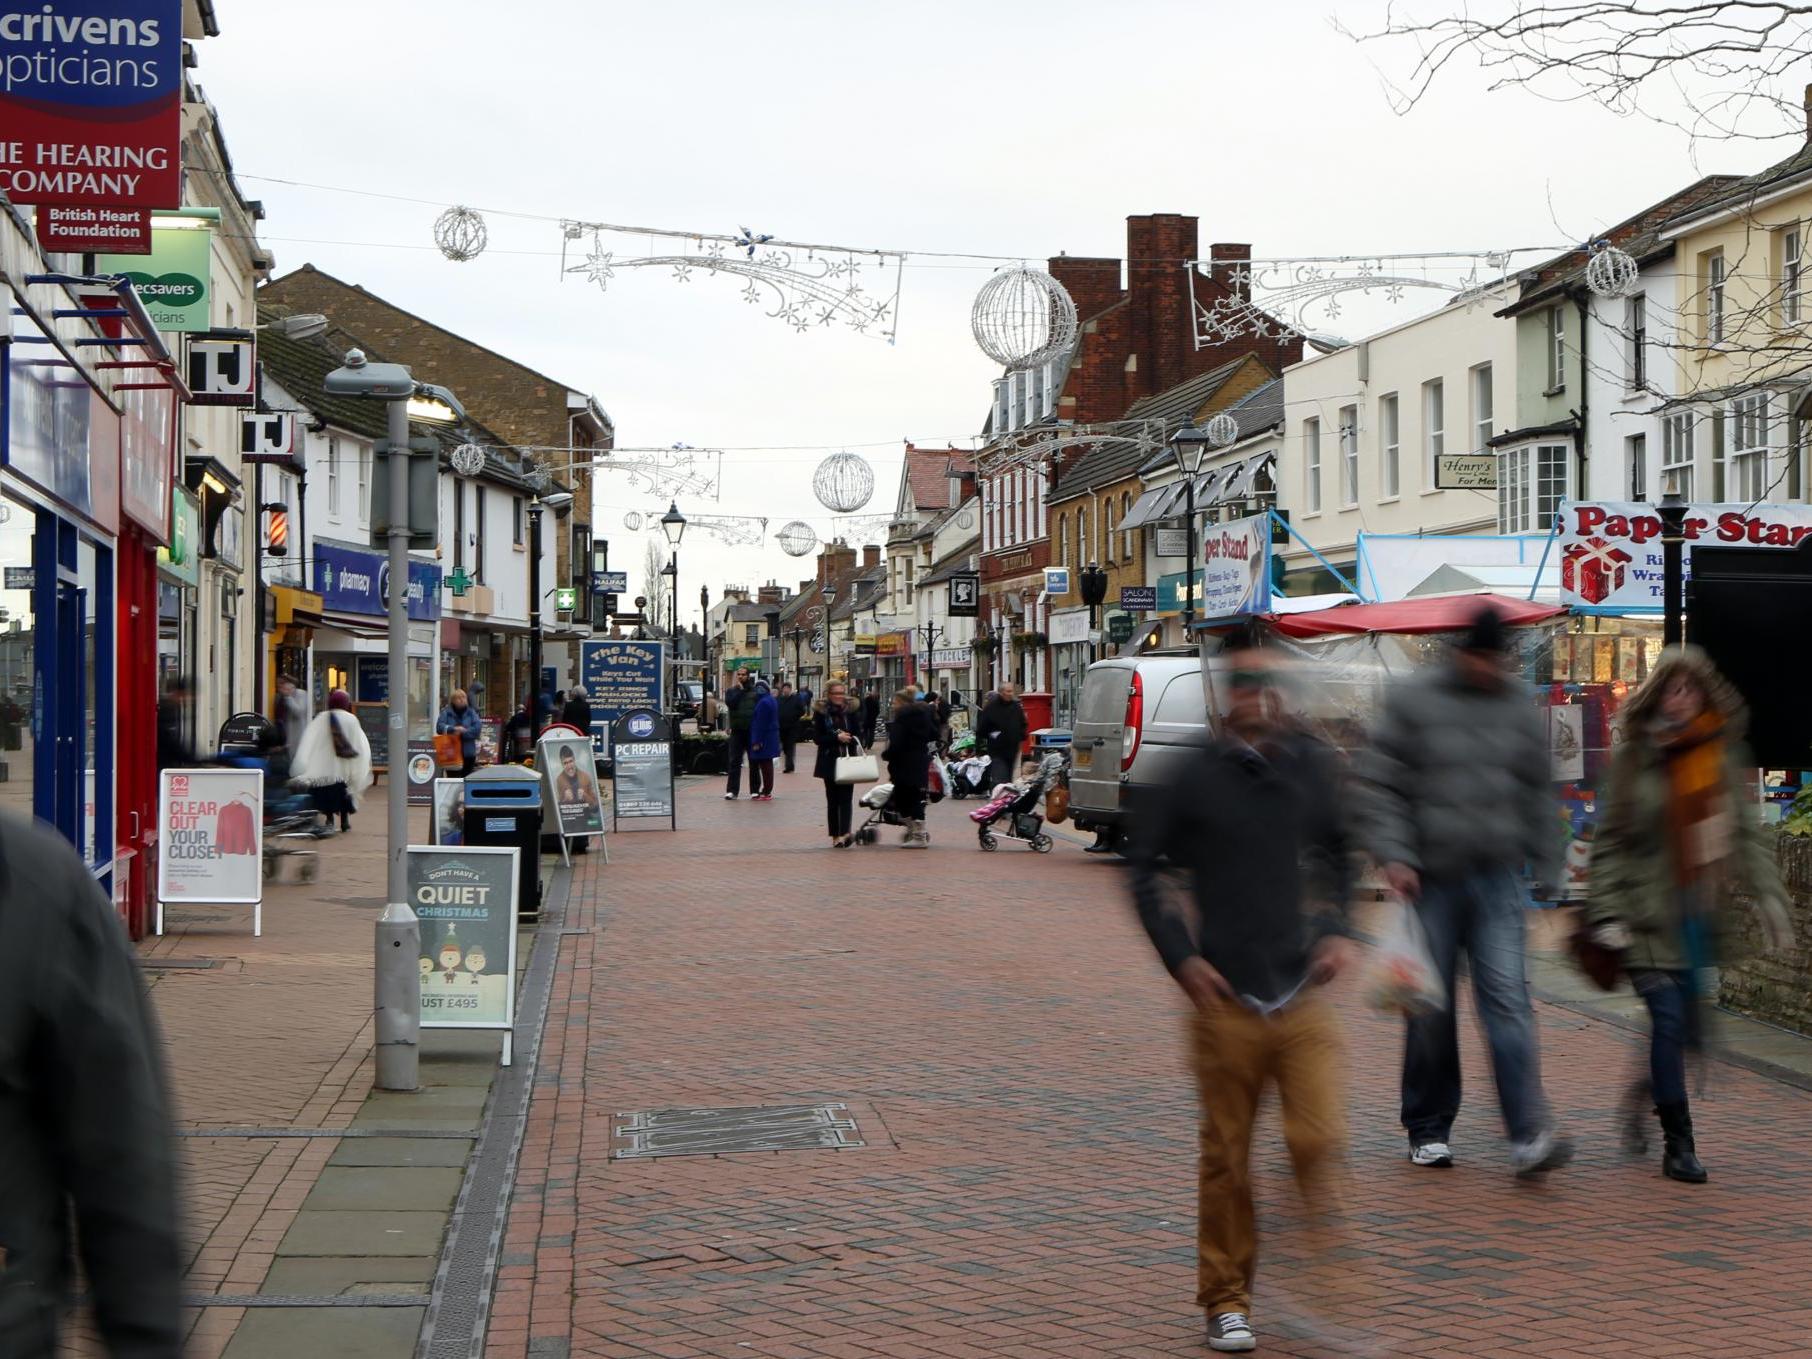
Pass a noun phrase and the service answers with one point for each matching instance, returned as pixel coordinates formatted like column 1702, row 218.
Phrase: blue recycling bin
column 1047, row 739
column 503, row 807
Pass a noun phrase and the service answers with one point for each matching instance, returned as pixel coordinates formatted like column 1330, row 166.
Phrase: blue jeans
column 1482, row 914
column 1673, row 1019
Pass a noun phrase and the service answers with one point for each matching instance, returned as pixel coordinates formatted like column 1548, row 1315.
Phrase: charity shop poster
column 211, row 835
column 465, row 899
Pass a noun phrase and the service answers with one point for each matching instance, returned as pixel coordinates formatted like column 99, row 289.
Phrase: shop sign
column 178, row 559
column 619, row 675
column 353, row 581
column 1120, row 628
column 1170, row 542
column 571, row 772
column 1139, row 598
column 1068, row 626
column 1610, row 551
column 1466, row 472
column 610, row 582
column 147, row 455
column 229, row 538
column 865, row 643
column 21, row 577
column 1056, row 580
column 49, row 414
column 270, row 438
column 92, row 103
column 950, row 658
column 641, row 755
column 173, row 280
column 1236, row 568
column 965, row 594
column 211, row 836
column 893, row 644
column 223, row 369
column 94, row 230
column 371, row 683
column 465, row 899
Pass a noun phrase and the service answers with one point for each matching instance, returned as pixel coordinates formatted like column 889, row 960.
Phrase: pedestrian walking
column 1457, row 804
column 739, row 705
column 834, row 731
column 871, row 716
column 460, row 719
column 86, row 1165
column 519, row 735
column 911, row 731
column 764, row 743
column 577, row 711
column 1001, row 730
column 1254, row 824
column 792, row 710
column 175, row 716
column 1677, row 847
column 334, row 761
column 291, row 712
column 941, row 706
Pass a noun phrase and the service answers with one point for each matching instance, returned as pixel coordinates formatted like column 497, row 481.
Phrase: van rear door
column 1095, row 751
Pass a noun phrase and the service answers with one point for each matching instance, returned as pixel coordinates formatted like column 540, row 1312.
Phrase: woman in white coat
column 333, row 761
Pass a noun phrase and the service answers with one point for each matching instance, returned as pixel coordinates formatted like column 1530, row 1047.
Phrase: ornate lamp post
column 829, row 591
column 1672, row 509
column 673, row 524
column 1093, row 584
column 1190, row 446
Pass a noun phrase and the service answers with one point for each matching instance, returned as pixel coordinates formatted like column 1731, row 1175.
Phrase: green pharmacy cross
column 458, row 581
column 566, row 599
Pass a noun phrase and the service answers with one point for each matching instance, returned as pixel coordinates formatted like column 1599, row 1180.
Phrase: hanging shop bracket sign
column 1610, row 551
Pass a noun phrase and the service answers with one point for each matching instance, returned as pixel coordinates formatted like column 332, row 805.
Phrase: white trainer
column 1436, row 1154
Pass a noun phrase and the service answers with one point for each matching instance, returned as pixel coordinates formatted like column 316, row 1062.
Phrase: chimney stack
column 1093, row 282
column 1158, row 248
column 871, row 556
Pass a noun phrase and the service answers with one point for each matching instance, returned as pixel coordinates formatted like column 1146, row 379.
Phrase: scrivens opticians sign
column 91, row 102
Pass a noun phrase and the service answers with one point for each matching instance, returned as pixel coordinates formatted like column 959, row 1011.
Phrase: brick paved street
column 1010, row 1051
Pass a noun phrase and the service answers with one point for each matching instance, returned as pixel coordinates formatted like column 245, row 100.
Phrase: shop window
column 18, row 658
column 1532, row 481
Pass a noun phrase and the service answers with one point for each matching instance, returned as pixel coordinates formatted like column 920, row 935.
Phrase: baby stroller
column 968, row 775
column 289, row 816
column 1014, row 809
column 879, row 802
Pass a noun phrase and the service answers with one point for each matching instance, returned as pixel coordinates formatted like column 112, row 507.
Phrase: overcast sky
column 990, row 126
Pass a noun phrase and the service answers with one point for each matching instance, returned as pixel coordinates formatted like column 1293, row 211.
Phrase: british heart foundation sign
column 91, row 103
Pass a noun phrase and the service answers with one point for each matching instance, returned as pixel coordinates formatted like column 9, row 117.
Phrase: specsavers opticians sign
column 1610, row 551
column 172, row 281
column 91, row 102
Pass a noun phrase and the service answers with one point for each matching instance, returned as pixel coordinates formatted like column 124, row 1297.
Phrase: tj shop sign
column 1610, row 551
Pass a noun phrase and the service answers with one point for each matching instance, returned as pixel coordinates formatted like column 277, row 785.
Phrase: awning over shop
column 1442, row 613
column 1146, row 508
column 1221, row 485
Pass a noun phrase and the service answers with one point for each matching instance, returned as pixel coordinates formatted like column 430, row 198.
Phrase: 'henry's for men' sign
column 1610, row 551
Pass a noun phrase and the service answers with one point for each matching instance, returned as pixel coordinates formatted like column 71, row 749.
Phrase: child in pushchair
column 881, row 811
column 1013, row 813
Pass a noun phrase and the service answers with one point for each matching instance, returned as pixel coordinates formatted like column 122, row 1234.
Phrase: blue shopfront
column 59, row 524
column 352, row 640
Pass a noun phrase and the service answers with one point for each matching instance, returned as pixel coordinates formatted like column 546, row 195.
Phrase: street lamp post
column 396, row 982
column 538, row 504
column 1672, row 509
column 1093, row 583
column 673, row 524
column 1190, row 445
column 932, row 632
column 829, row 591
column 796, row 635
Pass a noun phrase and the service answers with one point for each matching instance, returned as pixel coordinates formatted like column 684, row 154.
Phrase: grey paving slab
column 386, row 1188
column 334, row 1232
column 431, row 1101
column 313, row 1277
column 401, row 1151
column 343, row 1332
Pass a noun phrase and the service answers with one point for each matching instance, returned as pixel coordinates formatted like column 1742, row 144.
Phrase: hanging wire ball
column 1610, row 272
column 797, row 538
column 843, row 482
column 1022, row 318
column 468, row 459
column 1222, row 430
column 632, row 521
column 461, row 235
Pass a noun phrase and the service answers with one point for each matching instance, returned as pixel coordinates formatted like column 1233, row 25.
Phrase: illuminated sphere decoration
column 1222, row 430
column 1611, row 272
column 461, row 234
column 632, row 521
column 468, row 459
column 797, row 538
column 1022, row 318
column 843, row 482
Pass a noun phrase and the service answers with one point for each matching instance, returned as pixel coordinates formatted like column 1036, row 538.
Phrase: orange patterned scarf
column 1698, row 811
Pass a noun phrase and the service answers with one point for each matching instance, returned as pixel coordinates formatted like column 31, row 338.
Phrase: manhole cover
column 159, row 964
column 720, row 1132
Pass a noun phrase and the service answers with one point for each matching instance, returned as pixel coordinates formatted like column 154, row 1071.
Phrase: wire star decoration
column 598, row 267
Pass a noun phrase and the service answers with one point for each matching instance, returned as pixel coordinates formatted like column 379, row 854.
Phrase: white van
column 1137, row 719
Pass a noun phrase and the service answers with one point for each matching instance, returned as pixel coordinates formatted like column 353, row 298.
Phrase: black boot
column 1679, row 1158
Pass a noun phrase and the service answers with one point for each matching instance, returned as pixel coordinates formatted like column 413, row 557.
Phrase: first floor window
column 1390, row 447
column 1748, row 426
column 1676, row 454
column 1636, row 460
column 1349, row 455
column 1532, row 481
column 1311, row 459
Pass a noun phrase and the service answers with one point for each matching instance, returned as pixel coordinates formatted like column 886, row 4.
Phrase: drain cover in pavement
column 721, row 1132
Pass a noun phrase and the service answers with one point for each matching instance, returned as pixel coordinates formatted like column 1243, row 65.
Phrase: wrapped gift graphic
column 1592, row 569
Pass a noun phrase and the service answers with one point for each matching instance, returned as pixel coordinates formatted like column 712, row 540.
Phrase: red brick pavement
column 1014, row 1054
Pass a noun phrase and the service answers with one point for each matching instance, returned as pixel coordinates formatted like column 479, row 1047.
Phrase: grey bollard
column 398, row 999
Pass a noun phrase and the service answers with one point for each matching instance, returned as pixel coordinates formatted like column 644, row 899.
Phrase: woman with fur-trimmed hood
column 1678, row 848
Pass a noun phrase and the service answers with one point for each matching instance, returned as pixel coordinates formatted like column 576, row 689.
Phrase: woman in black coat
column 910, row 732
column 834, row 729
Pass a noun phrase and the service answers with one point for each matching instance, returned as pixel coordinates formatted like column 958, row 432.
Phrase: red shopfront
column 144, row 385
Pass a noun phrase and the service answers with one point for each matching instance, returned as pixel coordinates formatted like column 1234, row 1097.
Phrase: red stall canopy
column 1435, row 613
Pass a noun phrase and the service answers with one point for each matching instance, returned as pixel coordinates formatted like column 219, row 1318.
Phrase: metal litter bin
column 503, row 807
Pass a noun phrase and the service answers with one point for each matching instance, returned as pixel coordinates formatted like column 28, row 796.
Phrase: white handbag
column 862, row 767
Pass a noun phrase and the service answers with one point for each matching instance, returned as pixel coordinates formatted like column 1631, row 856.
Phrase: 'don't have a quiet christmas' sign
column 1610, row 551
